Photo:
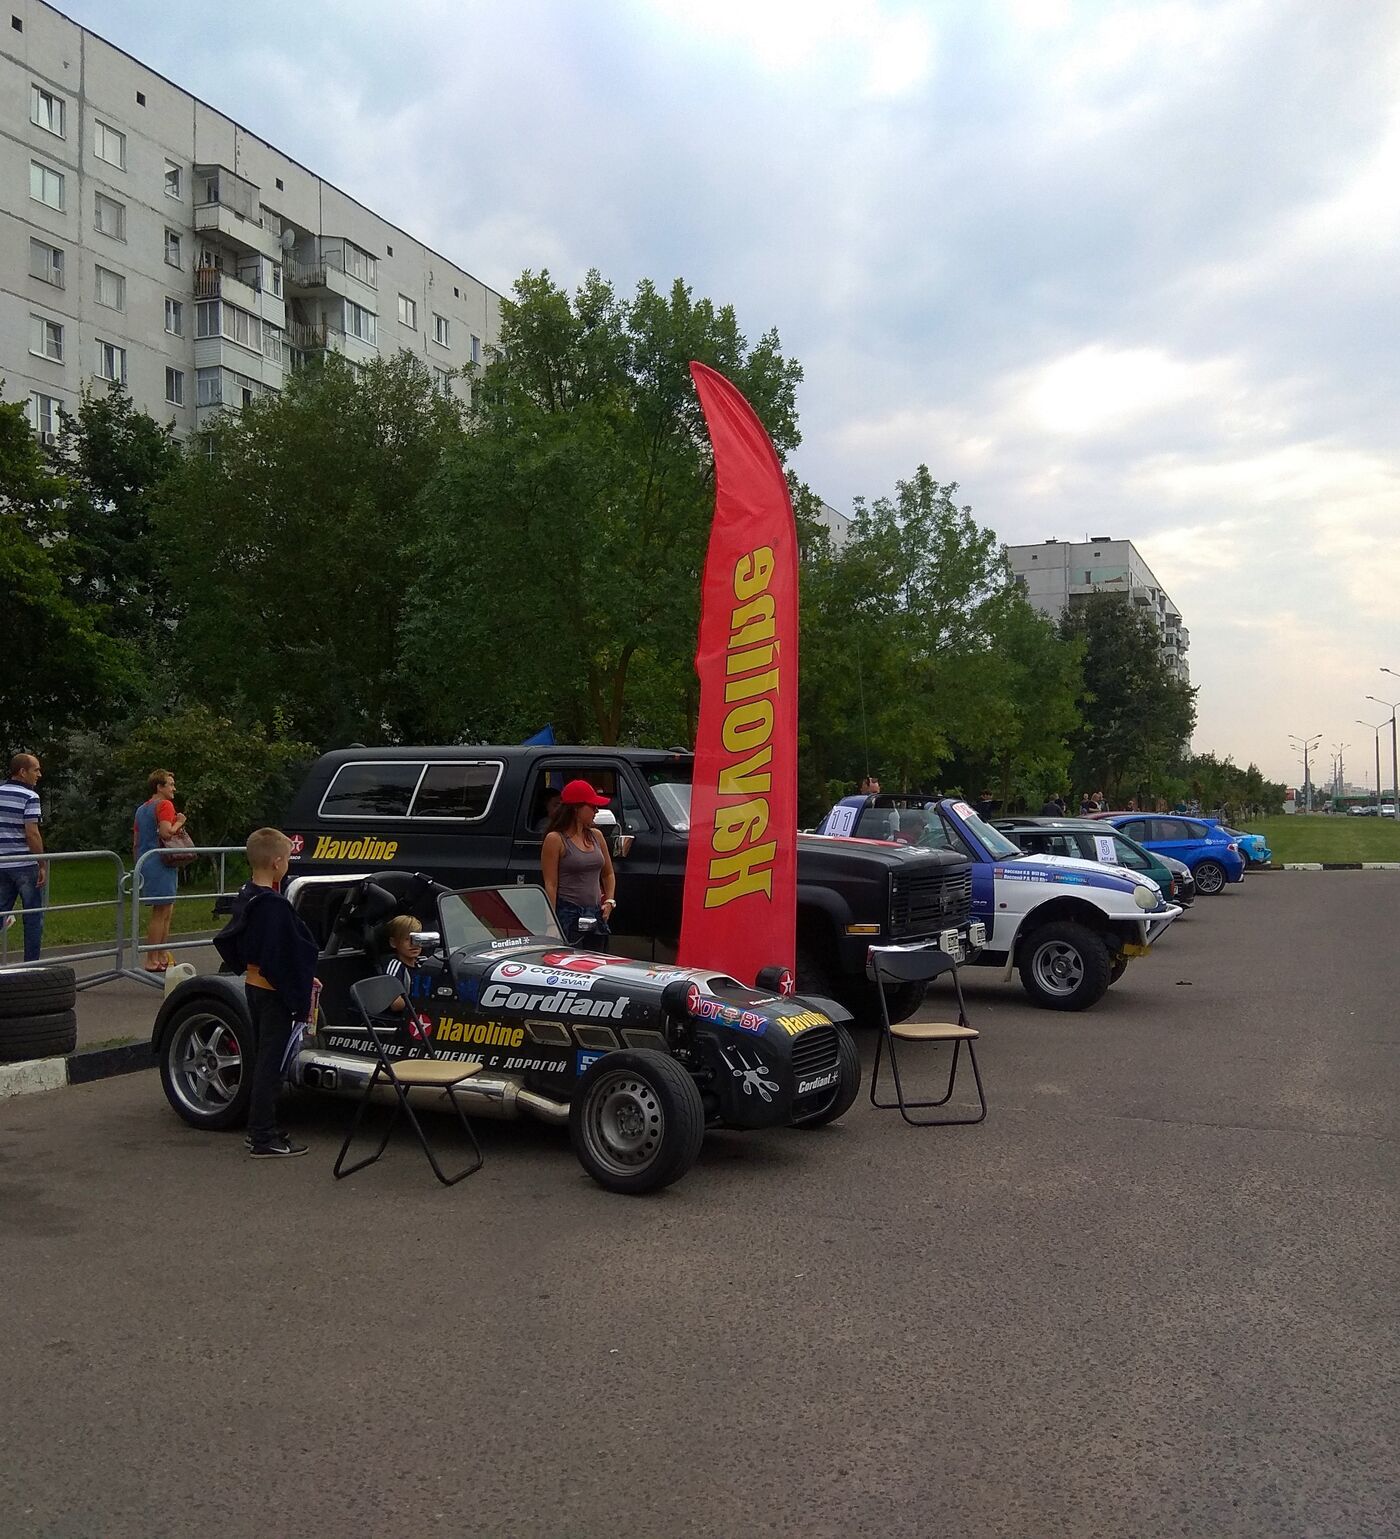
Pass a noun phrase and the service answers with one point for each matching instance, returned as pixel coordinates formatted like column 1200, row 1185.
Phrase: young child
column 276, row 953
column 398, row 935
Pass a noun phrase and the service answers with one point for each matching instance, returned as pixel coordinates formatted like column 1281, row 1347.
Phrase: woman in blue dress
column 156, row 818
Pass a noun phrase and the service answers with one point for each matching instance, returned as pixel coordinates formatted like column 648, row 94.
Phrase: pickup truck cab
column 474, row 817
column 1069, row 926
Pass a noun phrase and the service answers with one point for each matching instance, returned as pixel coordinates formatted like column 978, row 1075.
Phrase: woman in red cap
column 578, row 871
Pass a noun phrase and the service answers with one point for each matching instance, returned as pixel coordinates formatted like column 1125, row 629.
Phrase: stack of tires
column 37, row 1018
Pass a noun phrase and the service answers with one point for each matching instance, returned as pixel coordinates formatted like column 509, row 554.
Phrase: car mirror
column 428, row 940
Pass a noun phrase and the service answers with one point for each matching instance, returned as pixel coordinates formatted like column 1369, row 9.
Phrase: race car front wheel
column 206, row 1064
column 1065, row 966
column 637, row 1121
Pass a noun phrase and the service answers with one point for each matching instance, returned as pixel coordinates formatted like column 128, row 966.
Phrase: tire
column 206, row 1057
column 636, row 1121
column 1120, row 966
column 1065, row 966
column 23, row 1037
column 845, row 1090
column 37, row 991
column 1210, row 878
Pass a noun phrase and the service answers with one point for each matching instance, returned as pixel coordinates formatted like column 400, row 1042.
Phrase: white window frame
column 46, row 176
column 99, row 273
column 43, row 330
column 408, row 312
column 276, row 279
column 273, row 342
column 177, row 376
column 205, row 312
column 179, row 174
column 442, row 330
column 476, row 348
column 53, row 274
column 204, row 380
column 174, row 310
column 44, row 103
column 172, row 237
column 36, row 411
column 361, row 323
column 100, row 133
column 98, row 199
column 117, row 355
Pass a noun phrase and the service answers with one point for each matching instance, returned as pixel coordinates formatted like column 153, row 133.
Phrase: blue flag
column 544, row 735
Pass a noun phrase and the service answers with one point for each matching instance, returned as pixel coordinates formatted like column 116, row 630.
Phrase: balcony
column 229, row 205
column 337, row 267
column 242, row 290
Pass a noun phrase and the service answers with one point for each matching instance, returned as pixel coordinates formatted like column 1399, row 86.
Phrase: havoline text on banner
column 740, row 911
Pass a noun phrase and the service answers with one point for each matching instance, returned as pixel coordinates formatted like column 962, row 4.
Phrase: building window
column 280, row 187
column 408, row 312
column 44, row 415
column 360, row 264
column 46, row 185
column 476, row 349
column 46, row 110
column 109, row 144
column 208, row 384
column 206, row 319
column 442, row 381
column 45, row 263
column 111, row 362
column 440, row 330
column 359, row 322
column 175, row 387
column 111, row 289
column 272, row 343
column 242, row 326
column 174, row 180
column 277, row 279
column 140, row 98
column 45, row 338
column 172, row 248
column 174, row 317
column 108, row 216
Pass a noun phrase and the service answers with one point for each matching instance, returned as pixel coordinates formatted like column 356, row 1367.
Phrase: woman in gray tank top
column 577, row 869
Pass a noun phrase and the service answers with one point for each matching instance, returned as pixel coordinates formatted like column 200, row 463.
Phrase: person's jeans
column 22, row 882
column 569, row 914
column 272, row 1028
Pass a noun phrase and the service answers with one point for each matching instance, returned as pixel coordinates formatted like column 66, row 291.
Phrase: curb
column 1325, row 865
column 77, row 1069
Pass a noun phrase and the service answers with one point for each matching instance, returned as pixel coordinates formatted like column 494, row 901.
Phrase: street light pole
column 1307, row 744
column 1339, row 771
column 1377, row 730
column 1390, row 705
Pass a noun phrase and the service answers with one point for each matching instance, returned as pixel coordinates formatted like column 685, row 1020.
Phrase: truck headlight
column 1146, row 897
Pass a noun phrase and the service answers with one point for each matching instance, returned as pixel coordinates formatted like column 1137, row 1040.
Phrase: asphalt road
column 1154, row 1294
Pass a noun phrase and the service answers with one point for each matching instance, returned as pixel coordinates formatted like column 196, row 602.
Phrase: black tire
column 1120, row 966
column 1210, row 878
column 37, row 991
column 1064, row 966
column 637, row 1121
column 845, row 1090
column 23, row 1037
column 206, row 1059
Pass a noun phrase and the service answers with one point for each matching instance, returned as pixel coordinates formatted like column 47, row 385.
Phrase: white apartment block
column 147, row 238
column 1058, row 573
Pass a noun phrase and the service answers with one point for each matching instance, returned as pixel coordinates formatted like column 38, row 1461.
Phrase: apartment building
column 1058, row 573
column 149, row 239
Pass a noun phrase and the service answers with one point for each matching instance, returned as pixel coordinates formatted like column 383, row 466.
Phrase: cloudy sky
column 1116, row 269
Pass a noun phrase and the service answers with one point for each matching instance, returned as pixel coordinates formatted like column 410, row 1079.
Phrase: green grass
column 1314, row 836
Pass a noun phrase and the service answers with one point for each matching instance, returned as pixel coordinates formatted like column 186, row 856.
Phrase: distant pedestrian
column 23, row 880
column 155, row 821
column 1053, row 808
column 985, row 805
column 870, row 786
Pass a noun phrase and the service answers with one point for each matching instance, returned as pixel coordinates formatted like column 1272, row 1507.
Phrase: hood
column 1073, row 871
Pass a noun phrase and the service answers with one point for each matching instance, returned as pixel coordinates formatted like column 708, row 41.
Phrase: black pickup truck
column 472, row 817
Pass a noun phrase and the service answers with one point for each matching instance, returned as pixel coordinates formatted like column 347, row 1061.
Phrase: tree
column 583, row 492
column 288, row 534
column 1137, row 717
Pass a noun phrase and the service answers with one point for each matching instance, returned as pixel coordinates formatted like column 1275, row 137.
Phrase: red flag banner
column 740, row 910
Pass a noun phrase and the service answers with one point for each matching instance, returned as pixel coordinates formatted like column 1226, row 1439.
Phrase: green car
column 1085, row 839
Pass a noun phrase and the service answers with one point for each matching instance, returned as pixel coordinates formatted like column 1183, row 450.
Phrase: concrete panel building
column 1059, row 573
column 147, row 238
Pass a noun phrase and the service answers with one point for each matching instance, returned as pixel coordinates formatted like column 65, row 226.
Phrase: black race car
column 638, row 1058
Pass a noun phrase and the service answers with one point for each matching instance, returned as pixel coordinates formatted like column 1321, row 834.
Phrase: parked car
column 638, row 1060
column 470, row 817
column 1086, row 840
column 1185, row 882
column 1069, row 926
column 1214, row 858
column 1254, row 847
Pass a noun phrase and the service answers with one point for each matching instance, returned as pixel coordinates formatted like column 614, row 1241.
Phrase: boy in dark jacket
column 277, row 955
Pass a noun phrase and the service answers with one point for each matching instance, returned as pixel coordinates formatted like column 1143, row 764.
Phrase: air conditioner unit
column 48, row 438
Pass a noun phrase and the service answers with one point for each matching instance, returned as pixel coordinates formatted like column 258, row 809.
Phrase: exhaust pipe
column 497, row 1096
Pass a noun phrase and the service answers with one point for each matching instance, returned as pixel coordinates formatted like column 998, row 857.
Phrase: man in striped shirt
column 19, row 836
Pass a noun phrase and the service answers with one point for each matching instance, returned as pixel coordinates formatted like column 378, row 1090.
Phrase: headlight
column 1146, row 897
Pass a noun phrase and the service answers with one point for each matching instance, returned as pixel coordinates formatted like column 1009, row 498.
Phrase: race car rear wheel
column 1065, row 966
column 844, row 1091
column 206, row 1064
column 1210, row 877
column 637, row 1121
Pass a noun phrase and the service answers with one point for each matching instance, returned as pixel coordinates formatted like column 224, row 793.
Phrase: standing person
column 1053, row 808
column 276, row 953
column 576, row 866
column 156, row 819
column 20, row 816
column 870, row 786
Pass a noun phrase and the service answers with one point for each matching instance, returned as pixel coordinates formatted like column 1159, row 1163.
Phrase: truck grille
column 924, row 901
column 815, row 1051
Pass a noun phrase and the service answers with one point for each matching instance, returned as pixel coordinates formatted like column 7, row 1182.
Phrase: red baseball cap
column 578, row 793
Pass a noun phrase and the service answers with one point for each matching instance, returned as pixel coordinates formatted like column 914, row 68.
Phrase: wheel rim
column 1058, row 967
column 206, row 1064
column 1209, row 877
column 623, row 1124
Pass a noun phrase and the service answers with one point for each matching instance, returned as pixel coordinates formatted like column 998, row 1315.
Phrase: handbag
column 175, row 849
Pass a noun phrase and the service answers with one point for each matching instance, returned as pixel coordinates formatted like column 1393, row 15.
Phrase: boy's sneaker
column 281, row 1148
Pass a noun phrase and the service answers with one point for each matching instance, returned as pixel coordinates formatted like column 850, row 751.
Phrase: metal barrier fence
column 126, row 948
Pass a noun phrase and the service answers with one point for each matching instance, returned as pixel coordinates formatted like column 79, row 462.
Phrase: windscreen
column 486, row 914
column 670, row 788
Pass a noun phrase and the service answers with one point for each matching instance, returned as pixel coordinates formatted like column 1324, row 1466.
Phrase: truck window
column 378, row 790
column 670, row 789
column 461, row 791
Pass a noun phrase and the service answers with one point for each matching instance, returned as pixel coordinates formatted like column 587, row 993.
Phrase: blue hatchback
column 1213, row 856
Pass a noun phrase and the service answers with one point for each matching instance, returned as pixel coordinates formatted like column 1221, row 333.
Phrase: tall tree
column 564, row 534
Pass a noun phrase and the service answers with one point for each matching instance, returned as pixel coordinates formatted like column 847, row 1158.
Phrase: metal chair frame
column 913, row 966
column 372, row 997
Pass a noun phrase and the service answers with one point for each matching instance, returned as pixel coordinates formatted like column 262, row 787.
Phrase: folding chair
column 897, row 965
column 373, row 997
